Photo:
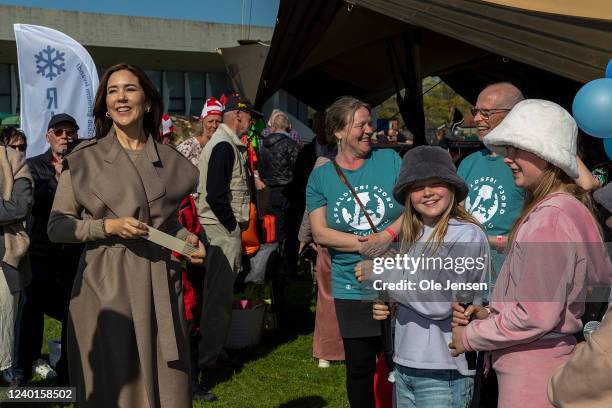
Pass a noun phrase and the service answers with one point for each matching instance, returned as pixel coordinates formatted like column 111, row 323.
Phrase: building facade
column 180, row 56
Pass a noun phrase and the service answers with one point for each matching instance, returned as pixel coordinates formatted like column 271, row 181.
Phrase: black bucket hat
column 428, row 162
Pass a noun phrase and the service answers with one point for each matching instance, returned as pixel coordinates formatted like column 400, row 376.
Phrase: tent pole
column 414, row 113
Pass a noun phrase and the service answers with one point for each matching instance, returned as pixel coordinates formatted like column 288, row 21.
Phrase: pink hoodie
column 539, row 298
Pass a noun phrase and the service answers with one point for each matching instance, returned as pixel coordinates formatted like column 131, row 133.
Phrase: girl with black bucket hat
column 437, row 237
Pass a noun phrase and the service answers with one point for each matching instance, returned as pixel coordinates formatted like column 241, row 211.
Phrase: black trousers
column 485, row 388
column 287, row 225
column 360, row 356
column 48, row 294
column 194, row 340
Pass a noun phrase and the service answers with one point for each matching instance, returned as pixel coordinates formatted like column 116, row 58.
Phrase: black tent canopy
column 322, row 49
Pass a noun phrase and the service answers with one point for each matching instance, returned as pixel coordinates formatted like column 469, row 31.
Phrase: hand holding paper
column 196, row 258
column 187, row 248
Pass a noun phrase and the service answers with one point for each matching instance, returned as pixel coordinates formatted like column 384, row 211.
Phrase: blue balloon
column 608, row 147
column 609, row 70
column 592, row 108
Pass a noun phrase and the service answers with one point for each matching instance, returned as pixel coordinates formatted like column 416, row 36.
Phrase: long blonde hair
column 552, row 179
column 413, row 226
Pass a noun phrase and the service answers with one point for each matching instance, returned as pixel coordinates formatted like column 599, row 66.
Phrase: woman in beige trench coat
column 126, row 332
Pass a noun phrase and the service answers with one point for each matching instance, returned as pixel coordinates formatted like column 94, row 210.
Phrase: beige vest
column 239, row 196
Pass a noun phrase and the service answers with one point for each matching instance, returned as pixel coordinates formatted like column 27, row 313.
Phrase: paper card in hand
column 168, row 241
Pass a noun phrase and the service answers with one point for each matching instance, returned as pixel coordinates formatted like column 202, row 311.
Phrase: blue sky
column 261, row 12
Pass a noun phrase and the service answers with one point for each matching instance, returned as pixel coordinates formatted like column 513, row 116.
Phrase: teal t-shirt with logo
column 493, row 198
column 373, row 182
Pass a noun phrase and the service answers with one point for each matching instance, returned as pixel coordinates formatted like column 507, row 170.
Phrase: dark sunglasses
column 68, row 132
column 20, row 147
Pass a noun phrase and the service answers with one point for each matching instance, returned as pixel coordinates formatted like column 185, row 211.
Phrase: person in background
column 278, row 154
column 306, row 159
column 14, row 138
column 556, row 252
column 326, row 340
column 193, row 275
column 292, row 133
column 166, row 131
column 493, row 198
column 15, row 205
column 392, row 134
column 209, row 121
column 223, row 209
column 53, row 265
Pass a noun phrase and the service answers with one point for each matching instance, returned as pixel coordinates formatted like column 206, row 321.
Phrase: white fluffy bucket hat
column 542, row 128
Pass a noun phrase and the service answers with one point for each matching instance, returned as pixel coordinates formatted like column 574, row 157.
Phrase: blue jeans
column 422, row 388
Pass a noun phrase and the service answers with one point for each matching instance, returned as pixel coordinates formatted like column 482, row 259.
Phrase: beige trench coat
column 127, row 344
column 585, row 381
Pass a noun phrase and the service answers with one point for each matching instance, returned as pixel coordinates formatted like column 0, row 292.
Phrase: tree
column 439, row 101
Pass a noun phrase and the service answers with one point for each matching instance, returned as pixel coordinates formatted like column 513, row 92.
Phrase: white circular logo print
column 374, row 199
column 489, row 199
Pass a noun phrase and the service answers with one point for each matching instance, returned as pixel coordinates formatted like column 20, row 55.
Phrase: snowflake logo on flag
column 50, row 62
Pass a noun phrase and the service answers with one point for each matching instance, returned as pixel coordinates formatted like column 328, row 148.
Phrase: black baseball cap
column 241, row 104
column 62, row 117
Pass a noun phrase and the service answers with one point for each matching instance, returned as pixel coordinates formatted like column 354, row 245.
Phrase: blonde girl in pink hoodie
column 556, row 252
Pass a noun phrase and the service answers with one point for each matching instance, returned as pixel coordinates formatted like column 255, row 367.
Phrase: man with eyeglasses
column 493, row 198
column 53, row 265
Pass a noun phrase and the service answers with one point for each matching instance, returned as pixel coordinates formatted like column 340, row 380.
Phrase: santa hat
column 212, row 107
column 166, row 125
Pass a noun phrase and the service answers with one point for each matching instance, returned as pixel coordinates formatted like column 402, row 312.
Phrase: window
column 175, row 82
column 156, row 78
column 5, row 88
column 197, row 88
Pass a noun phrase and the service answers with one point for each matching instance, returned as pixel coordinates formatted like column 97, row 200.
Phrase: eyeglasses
column 68, row 132
column 486, row 113
column 20, row 147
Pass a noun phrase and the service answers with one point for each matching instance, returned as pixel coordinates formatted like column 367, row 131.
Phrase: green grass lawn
column 279, row 372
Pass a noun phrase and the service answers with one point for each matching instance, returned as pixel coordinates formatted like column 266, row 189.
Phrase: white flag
column 56, row 75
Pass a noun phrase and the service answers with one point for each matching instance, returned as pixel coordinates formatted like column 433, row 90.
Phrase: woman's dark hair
column 9, row 133
column 340, row 114
column 152, row 119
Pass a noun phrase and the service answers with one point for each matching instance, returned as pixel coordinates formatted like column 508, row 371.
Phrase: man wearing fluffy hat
column 209, row 122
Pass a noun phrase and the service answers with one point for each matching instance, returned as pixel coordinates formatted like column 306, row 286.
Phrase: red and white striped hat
column 212, row 107
column 166, row 125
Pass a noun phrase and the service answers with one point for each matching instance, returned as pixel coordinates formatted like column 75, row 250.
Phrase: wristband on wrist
column 392, row 233
column 500, row 242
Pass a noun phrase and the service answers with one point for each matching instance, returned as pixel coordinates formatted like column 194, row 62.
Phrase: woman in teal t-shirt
column 339, row 224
